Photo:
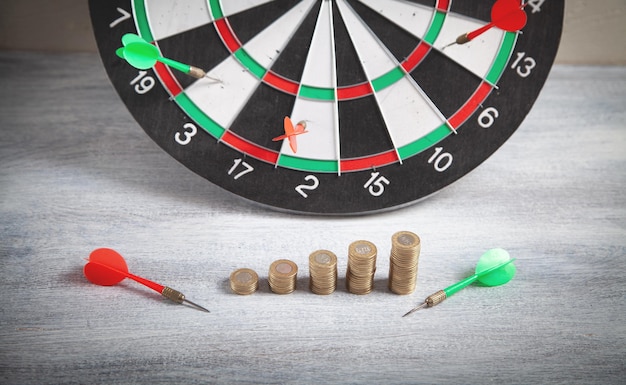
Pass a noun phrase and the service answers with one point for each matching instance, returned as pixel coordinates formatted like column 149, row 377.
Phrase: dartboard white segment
column 375, row 59
column 319, row 142
column 319, row 68
column 476, row 56
column 223, row 101
column 233, row 7
column 169, row 18
column 269, row 43
column 413, row 18
column 408, row 115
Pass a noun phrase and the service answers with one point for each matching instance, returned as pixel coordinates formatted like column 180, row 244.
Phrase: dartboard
column 330, row 106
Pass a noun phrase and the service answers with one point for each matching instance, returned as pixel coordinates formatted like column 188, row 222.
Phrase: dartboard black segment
column 384, row 114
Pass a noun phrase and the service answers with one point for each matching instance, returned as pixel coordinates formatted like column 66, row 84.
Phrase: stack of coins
column 361, row 267
column 405, row 252
column 283, row 276
column 244, row 281
column 323, row 272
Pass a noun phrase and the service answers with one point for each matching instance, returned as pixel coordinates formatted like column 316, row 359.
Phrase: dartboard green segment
column 310, row 91
column 204, row 121
column 394, row 116
column 249, row 63
column 499, row 64
column 311, row 165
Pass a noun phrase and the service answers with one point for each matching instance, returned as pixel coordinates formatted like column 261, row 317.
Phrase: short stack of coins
column 323, row 272
column 244, row 281
column 283, row 276
column 361, row 267
column 405, row 252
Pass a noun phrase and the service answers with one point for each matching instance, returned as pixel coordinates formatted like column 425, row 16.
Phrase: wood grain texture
column 77, row 173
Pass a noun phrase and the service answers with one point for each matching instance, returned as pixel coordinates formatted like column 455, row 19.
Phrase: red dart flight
column 291, row 132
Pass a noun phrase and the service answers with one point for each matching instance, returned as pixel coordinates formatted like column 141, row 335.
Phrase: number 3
column 193, row 130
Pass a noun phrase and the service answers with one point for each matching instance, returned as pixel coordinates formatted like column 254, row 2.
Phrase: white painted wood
column 77, row 173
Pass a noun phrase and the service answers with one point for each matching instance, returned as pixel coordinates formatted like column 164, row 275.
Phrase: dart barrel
column 436, row 298
column 173, row 294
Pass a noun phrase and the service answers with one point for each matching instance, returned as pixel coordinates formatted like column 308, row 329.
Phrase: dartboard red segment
column 471, row 106
column 169, row 81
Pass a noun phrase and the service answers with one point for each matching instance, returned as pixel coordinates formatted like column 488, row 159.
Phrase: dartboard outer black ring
column 479, row 126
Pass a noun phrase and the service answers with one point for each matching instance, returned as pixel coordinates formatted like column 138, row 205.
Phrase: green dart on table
column 494, row 268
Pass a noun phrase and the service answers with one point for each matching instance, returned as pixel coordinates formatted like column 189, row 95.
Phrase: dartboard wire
column 228, row 132
column 450, row 123
column 494, row 82
column 406, row 74
column 353, row 91
column 368, row 75
column 207, row 123
column 478, row 22
column 162, row 72
column 299, row 84
column 438, row 7
column 486, row 80
column 336, row 123
column 488, row 85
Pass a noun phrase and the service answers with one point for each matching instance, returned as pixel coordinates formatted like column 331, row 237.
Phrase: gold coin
column 403, row 260
column 244, row 281
column 323, row 272
column 361, row 267
column 283, row 276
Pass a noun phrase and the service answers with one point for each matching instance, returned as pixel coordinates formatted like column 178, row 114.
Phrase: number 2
column 314, row 183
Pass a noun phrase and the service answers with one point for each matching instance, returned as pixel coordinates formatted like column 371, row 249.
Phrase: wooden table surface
column 77, row 173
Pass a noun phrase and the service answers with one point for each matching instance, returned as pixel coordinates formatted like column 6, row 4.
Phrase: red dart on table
column 106, row 267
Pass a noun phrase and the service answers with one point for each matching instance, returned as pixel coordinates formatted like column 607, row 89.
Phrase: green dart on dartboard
column 143, row 55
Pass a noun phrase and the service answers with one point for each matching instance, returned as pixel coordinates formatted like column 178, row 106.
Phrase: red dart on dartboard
column 508, row 15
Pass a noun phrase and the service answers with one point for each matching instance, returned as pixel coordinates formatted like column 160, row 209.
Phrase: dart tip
column 197, row 306
column 415, row 309
column 213, row 80
column 448, row 45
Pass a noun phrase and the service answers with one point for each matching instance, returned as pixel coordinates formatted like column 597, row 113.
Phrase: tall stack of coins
column 323, row 272
column 244, row 281
column 283, row 276
column 405, row 252
column 361, row 267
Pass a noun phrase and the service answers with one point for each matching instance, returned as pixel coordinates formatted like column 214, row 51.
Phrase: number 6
column 488, row 117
